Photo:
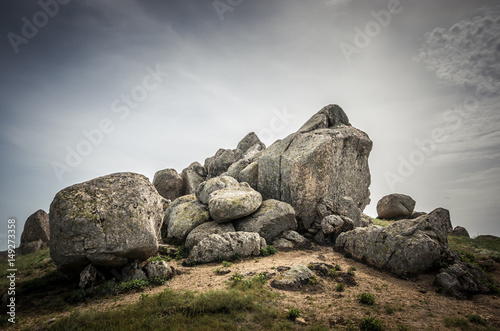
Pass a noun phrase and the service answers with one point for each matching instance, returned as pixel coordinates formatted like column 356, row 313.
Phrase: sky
column 90, row 88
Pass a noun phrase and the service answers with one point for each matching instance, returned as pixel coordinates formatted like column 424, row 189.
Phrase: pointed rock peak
column 328, row 117
column 248, row 141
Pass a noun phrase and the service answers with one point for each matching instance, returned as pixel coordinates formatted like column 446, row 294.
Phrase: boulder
column 184, row 216
column 192, row 176
column 293, row 279
column 270, row 220
column 204, row 230
column 106, row 221
column 159, row 269
column 250, row 174
column 171, row 207
column 233, row 202
column 460, row 232
column 89, row 277
column 227, row 246
column 169, row 184
column 248, row 141
column 326, row 157
column 405, row 248
column 214, row 184
column 220, row 162
column 291, row 240
column 461, row 280
column 36, row 228
column 366, row 220
column 395, row 206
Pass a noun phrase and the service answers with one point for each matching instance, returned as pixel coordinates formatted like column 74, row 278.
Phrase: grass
column 29, row 266
column 367, row 299
column 381, row 222
column 484, row 248
column 237, row 307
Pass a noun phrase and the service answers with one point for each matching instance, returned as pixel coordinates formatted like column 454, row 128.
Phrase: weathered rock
column 32, row 246
column 293, row 279
column 460, row 232
column 327, row 157
column 106, row 221
column 461, row 280
column 344, row 206
column 214, row 184
column 169, row 184
column 220, row 162
column 406, row 247
column 233, row 202
column 89, row 277
column 204, row 230
column 226, row 246
column 395, row 206
column 36, row 228
column 332, row 226
column 159, row 269
column 183, row 216
column 132, row 271
column 250, row 174
column 291, row 240
column 171, row 208
column 192, row 176
column 248, row 141
column 270, row 220
column 251, row 155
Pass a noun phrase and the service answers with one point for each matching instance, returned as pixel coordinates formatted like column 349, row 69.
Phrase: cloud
column 466, row 54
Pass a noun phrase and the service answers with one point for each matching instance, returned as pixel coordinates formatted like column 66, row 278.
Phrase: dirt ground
column 413, row 303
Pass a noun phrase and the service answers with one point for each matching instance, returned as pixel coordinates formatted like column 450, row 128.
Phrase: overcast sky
column 90, row 88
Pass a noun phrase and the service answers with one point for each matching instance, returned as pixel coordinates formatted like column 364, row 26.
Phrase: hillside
column 247, row 301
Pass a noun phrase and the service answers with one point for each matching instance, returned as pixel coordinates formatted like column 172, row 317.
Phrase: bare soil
column 413, row 303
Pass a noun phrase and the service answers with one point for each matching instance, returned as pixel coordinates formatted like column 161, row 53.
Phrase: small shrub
column 333, row 273
column 367, row 299
column 313, row 280
column 236, row 277
column 390, row 310
column 261, row 278
column 136, row 284
column 340, row 287
column 157, row 280
column 310, row 266
column 159, row 258
column 476, row 319
column 293, row 314
column 371, row 324
column 337, row 267
column 181, row 253
column 226, row 264
column 271, row 250
column 351, row 270
column 76, row 297
column 264, row 252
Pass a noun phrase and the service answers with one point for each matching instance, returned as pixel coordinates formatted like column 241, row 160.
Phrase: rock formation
column 327, row 157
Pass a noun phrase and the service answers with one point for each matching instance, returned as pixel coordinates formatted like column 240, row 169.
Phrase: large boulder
column 193, row 176
column 395, row 206
column 169, row 184
column 233, row 202
column 327, row 157
column 36, row 233
column 106, row 221
column 214, row 184
column 461, row 280
column 204, row 230
column 270, row 220
column 184, row 216
column 405, row 248
column 227, row 246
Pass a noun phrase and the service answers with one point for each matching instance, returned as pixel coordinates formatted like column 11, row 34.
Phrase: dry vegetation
column 239, row 296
